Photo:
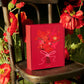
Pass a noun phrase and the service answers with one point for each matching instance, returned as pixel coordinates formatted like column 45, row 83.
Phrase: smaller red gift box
column 44, row 46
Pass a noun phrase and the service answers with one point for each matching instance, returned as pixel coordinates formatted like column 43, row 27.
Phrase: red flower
column 24, row 19
column 63, row 82
column 69, row 8
column 67, row 20
column 4, row 73
column 8, row 58
column 74, row 3
column 80, row 37
column 6, row 51
column 70, row 20
column 24, row 22
column 20, row 5
column 79, row 14
column 23, row 16
column 12, row 28
column 79, row 17
column 2, row 51
column 66, row 54
column 13, row 2
column 5, row 37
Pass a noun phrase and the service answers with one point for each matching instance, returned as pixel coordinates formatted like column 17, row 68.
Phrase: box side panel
column 28, row 46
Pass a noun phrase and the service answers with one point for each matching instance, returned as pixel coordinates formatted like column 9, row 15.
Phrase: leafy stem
column 2, row 29
column 81, row 4
column 14, row 37
column 58, row 9
column 13, row 10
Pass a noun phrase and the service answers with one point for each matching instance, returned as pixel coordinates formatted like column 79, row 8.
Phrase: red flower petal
column 12, row 28
column 23, row 16
column 63, row 82
column 4, row 34
column 79, row 14
column 4, row 77
column 13, row 2
column 65, row 18
column 80, row 36
column 20, row 5
column 6, row 51
column 66, row 54
column 80, row 24
column 5, row 37
column 69, row 8
column 72, row 22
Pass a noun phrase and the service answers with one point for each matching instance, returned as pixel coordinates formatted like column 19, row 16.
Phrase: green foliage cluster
column 75, row 46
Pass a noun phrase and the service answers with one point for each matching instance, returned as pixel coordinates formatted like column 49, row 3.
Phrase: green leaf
column 1, row 48
column 77, row 31
column 74, row 46
column 10, row 6
column 1, row 40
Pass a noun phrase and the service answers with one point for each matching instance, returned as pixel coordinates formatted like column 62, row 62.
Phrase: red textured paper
column 39, row 56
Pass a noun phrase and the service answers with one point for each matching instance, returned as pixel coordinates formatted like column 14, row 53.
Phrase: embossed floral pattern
column 47, row 40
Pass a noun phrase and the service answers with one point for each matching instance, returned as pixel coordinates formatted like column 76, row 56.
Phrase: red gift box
column 45, row 46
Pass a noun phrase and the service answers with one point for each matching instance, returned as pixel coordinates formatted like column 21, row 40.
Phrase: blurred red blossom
column 6, row 51
column 8, row 58
column 23, row 16
column 4, row 73
column 24, row 21
column 12, row 28
column 14, row 2
column 66, row 54
column 80, row 37
column 20, row 5
column 69, row 8
column 72, row 20
column 5, row 37
column 63, row 82
column 74, row 3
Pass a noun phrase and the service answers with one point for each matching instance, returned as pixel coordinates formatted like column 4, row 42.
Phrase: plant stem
column 13, row 10
column 1, row 29
column 69, row 41
column 81, row 4
column 15, row 39
column 58, row 9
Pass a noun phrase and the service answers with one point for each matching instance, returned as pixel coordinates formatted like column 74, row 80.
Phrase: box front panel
column 47, row 46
